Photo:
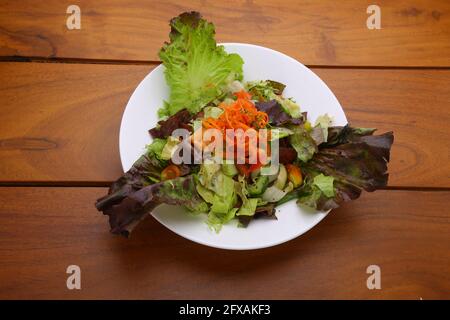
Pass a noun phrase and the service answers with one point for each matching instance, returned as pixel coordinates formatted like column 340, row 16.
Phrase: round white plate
column 260, row 63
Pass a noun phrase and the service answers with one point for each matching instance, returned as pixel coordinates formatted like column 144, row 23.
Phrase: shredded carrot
column 241, row 114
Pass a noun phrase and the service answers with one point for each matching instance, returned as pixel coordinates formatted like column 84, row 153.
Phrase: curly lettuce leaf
column 277, row 115
column 197, row 69
column 165, row 128
column 353, row 160
column 128, row 209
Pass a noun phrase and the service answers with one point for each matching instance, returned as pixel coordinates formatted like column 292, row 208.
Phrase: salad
column 235, row 150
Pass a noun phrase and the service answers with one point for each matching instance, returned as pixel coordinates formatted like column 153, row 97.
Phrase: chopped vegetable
column 280, row 182
column 294, row 175
column 320, row 131
column 325, row 184
column 197, row 70
column 259, row 186
column 166, row 127
column 170, row 172
column 277, row 115
column 303, row 143
column 274, row 194
column 212, row 112
column 248, row 207
column 280, row 133
column 169, row 148
column 242, row 114
column 229, row 169
column 154, row 150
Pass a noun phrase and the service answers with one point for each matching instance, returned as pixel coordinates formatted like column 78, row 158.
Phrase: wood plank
column 43, row 230
column 55, row 114
column 412, row 103
column 60, row 122
column 413, row 33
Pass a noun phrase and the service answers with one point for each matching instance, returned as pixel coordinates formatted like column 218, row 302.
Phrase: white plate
column 261, row 63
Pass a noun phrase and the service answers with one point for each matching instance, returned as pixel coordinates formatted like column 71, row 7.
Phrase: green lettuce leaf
column 302, row 142
column 155, row 150
column 248, row 207
column 197, row 69
column 320, row 131
column 325, row 184
column 216, row 220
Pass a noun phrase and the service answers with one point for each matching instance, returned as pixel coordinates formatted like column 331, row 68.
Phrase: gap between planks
column 153, row 62
column 106, row 184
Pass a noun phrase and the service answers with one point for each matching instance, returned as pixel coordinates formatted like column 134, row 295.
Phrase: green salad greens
column 197, row 69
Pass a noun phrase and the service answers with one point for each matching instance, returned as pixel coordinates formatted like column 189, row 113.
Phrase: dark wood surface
column 45, row 229
column 413, row 32
column 62, row 94
column 73, row 111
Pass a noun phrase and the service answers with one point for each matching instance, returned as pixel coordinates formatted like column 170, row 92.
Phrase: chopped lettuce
column 169, row 148
column 207, row 172
column 217, row 189
column 206, row 194
column 271, row 90
column 322, row 124
column 196, row 124
column 303, row 143
column 248, row 207
column 265, row 89
column 201, row 207
column 197, row 69
column 316, row 189
column 289, row 106
column 280, row 133
column 229, row 169
column 215, row 220
column 212, row 112
column 325, row 184
column 277, row 115
column 155, row 149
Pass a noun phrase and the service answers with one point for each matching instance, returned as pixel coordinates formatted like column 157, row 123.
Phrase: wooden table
column 62, row 94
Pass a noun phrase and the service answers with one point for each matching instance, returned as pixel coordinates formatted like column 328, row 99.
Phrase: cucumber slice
column 282, row 178
column 259, row 186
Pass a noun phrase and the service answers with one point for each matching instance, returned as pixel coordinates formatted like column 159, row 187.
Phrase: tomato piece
column 294, row 174
column 254, row 167
column 243, row 169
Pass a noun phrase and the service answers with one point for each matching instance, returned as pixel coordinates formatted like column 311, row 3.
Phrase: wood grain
column 63, row 118
column 43, row 230
column 60, row 122
column 413, row 33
